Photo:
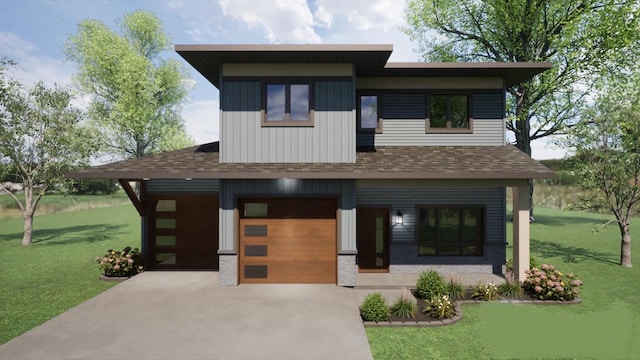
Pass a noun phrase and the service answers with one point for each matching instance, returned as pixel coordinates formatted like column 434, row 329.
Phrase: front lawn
column 604, row 326
column 58, row 271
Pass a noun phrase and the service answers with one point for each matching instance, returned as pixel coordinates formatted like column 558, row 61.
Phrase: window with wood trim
column 287, row 104
column 448, row 113
column 369, row 113
column 450, row 230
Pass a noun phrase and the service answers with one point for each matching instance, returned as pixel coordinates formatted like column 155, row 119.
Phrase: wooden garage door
column 288, row 241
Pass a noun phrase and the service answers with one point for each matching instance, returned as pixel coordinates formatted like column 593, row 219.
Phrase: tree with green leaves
column 580, row 37
column 607, row 154
column 136, row 96
column 41, row 137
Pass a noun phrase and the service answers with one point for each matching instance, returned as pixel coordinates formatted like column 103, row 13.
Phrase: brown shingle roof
column 385, row 162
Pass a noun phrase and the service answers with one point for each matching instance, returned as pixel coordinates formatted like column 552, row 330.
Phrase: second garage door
column 288, row 240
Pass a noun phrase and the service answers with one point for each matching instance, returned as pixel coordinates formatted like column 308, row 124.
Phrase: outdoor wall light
column 399, row 219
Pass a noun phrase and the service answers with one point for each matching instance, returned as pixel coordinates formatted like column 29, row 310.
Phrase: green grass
column 604, row 326
column 58, row 271
column 54, row 203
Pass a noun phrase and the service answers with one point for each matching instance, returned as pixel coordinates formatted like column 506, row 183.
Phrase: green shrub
column 486, row 292
column 455, row 289
column 405, row 306
column 510, row 288
column 95, row 186
column 430, row 284
column 440, row 307
column 374, row 308
column 127, row 262
column 547, row 283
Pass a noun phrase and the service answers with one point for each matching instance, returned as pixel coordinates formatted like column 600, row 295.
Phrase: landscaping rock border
column 458, row 316
column 104, row 277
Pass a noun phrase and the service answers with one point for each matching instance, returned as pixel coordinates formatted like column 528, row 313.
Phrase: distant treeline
column 562, row 175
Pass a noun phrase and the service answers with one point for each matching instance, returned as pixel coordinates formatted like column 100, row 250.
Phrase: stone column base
column 228, row 272
column 347, row 270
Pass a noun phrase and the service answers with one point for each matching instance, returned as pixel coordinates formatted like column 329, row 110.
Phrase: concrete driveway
column 186, row 315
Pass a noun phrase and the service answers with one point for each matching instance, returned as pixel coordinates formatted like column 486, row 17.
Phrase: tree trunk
column 28, row 229
column 523, row 137
column 625, row 245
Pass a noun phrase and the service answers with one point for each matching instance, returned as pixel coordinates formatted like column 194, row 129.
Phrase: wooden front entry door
column 373, row 233
column 183, row 231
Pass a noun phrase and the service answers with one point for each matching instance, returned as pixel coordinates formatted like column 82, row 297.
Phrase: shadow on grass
column 70, row 235
column 570, row 254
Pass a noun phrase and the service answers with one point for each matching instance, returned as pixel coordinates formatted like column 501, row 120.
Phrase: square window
column 287, row 104
column 448, row 113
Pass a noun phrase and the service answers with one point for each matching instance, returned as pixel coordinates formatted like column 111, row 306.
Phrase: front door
column 373, row 233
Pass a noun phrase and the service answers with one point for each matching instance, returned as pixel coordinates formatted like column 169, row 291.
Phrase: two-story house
column 334, row 161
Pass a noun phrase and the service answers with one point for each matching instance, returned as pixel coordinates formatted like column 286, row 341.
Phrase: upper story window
column 448, row 113
column 287, row 104
column 369, row 113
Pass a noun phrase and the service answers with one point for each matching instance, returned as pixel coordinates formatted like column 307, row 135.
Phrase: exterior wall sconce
column 398, row 217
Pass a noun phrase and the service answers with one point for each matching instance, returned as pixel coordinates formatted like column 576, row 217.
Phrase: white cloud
column 385, row 15
column 323, row 18
column 202, row 119
column 284, row 21
column 33, row 66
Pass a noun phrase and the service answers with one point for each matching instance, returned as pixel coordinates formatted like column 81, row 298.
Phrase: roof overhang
column 513, row 73
column 388, row 162
column 370, row 60
column 207, row 59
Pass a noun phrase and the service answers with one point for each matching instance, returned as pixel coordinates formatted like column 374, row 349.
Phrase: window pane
column 166, row 240
column 369, row 112
column 438, row 112
column 450, row 225
column 459, row 116
column 472, row 232
column 300, row 102
column 428, row 231
column 255, row 209
column 471, row 222
column 166, row 205
column 275, row 102
column 165, row 258
column 165, row 223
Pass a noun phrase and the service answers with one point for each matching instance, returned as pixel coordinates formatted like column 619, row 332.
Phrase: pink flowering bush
column 547, row 283
column 127, row 262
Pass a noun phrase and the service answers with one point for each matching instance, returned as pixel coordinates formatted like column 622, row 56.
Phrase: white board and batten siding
column 330, row 140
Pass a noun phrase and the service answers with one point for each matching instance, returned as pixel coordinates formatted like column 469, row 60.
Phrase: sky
column 32, row 32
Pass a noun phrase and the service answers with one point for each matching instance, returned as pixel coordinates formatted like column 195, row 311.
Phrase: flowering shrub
column 405, row 306
column 440, row 307
column 127, row 262
column 484, row 292
column 547, row 283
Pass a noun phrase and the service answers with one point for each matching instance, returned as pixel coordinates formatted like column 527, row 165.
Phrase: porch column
column 520, row 231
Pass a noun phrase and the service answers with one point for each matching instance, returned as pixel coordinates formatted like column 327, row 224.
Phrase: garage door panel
column 290, row 227
column 322, row 272
column 290, row 250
